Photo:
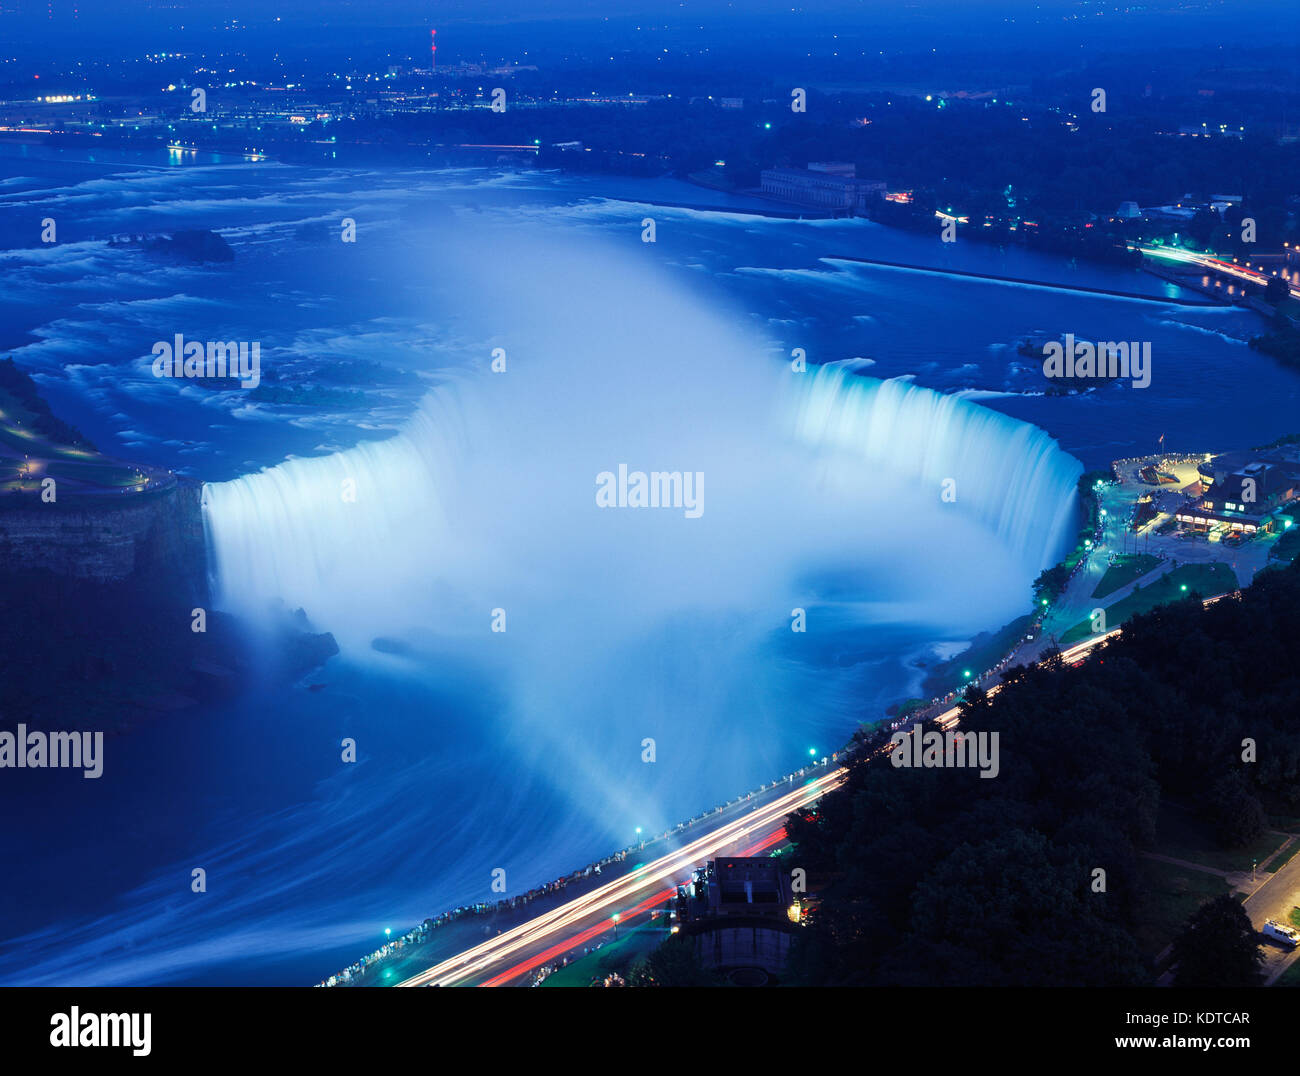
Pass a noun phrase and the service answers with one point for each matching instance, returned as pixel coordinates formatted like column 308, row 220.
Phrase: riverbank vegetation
column 938, row 877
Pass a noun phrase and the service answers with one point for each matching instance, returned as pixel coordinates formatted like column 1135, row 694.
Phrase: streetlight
column 616, row 926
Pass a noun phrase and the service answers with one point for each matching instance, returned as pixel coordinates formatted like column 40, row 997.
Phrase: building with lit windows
column 827, row 185
column 741, row 914
column 1242, row 490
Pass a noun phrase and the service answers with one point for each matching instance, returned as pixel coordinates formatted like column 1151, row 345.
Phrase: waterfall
column 1010, row 474
column 291, row 533
column 466, row 507
column 822, row 494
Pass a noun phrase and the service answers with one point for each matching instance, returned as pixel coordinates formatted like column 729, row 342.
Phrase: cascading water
column 522, row 749
column 390, row 520
column 822, row 491
column 1010, row 474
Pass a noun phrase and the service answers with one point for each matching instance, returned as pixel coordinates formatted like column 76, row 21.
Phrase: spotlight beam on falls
column 488, row 498
column 551, row 926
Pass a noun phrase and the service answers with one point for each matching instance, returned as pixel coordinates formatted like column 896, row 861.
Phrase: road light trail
column 599, row 928
column 1206, row 261
column 563, row 947
column 952, row 716
column 617, row 892
column 599, row 900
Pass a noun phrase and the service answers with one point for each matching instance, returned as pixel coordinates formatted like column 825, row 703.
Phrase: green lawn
column 1287, row 546
column 17, row 433
column 1180, row 834
column 1291, row 977
column 1171, row 894
column 1127, row 567
column 1285, row 857
column 95, row 472
column 1204, row 579
column 615, row 956
column 17, row 430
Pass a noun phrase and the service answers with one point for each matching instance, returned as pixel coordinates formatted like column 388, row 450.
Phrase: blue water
column 470, row 763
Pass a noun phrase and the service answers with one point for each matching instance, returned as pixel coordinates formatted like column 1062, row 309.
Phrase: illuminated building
column 1242, row 490
column 828, row 185
column 738, row 910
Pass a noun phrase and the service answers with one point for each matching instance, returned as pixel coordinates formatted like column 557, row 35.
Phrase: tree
column 1217, row 947
column 1234, row 811
column 1050, row 583
column 1201, row 225
column 993, row 881
column 674, row 963
column 1013, row 911
column 1276, row 290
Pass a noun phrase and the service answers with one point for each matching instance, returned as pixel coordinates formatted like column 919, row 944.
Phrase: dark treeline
column 939, row 877
column 19, row 384
column 1283, row 342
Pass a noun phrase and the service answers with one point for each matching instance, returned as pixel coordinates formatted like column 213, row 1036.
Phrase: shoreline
column 1080, row 288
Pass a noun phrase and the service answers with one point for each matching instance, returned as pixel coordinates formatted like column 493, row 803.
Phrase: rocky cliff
column 154, row 538
column 100, row 595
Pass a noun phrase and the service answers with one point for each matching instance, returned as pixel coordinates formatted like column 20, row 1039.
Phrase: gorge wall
column 154, row 539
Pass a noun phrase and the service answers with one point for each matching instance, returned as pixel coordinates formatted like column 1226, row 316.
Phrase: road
column 571, row 928
column 512, row 954
column 1274, row 900
column 1212, row 264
